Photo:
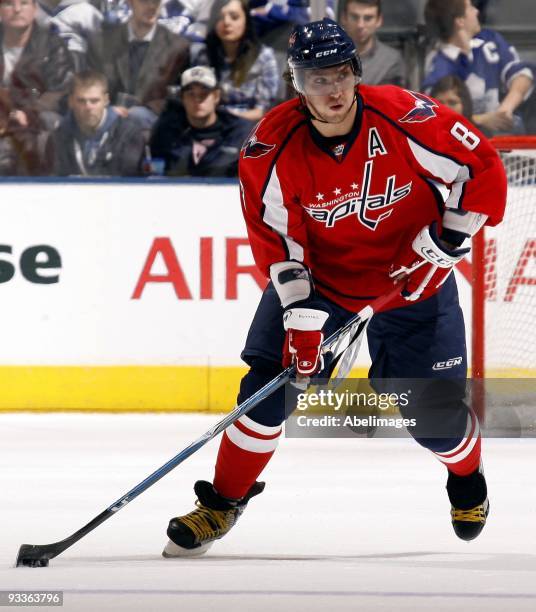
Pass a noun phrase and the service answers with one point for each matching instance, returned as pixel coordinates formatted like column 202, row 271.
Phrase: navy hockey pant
column 410, row 342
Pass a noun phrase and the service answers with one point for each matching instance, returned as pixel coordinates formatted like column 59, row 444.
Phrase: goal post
column 504, row 276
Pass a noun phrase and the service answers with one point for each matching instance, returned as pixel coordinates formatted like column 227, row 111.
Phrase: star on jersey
column 337, row 191
column 424, row 109
column 319, row 196
column 365, row 204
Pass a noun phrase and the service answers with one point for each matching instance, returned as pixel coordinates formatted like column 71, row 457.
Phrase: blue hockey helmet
column 317, row 45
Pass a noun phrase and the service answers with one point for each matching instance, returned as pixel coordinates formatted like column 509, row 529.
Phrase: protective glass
column 325, row 81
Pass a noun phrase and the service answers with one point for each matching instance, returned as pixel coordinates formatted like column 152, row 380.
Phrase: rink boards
column 126, row 296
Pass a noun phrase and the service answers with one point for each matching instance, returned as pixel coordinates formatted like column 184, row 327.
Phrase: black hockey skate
column 470, row 507
column 193, row 534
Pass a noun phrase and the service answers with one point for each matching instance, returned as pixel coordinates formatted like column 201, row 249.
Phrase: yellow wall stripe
column 119, row 388
column 128, row 388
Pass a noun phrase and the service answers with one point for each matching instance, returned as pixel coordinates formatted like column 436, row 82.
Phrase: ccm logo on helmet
column 324, row 53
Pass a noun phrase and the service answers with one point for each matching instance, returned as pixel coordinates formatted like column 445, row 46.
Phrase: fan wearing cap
column 346, row 190
column 193, row 136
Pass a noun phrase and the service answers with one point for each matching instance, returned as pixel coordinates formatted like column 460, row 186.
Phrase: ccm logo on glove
column 431, row 268
column 436, row 258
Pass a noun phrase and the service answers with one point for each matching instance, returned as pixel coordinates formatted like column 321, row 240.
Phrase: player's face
column 451, row 99
column 145, row 12
column 361, row 22
column 88, row 105
column 472, row 23
column 231, row 24
column 17, row 14
column 327, row 82
column 330, row 92
column 200, row 103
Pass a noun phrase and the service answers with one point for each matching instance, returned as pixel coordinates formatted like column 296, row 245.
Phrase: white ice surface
column 343, row 524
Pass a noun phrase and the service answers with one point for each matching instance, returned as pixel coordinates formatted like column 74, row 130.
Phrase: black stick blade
column 38, row 555
column 33, row 555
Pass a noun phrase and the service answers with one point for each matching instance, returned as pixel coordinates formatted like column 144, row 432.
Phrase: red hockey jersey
column 349, row 215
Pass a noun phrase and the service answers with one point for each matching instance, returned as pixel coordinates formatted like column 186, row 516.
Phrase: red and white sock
column 245, row 449
column 464, row 459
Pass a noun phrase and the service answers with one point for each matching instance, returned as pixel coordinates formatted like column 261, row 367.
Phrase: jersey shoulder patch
column 423, row 109
column 253, row 147
column 398, row 104
column 271, row 131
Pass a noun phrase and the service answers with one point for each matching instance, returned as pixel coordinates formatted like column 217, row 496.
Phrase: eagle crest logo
column 424, row 109
column 253, row 147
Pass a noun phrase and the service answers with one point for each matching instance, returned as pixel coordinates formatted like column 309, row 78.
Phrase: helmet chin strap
column 319, row 119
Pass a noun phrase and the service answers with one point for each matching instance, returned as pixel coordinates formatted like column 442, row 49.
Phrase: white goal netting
column 510, row 273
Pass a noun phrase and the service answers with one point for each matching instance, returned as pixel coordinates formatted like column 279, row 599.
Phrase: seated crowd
column 169, row 87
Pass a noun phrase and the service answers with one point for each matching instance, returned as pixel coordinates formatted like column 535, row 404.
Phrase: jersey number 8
column 466, row 137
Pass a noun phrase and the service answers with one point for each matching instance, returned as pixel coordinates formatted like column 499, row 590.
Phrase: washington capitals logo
column 254, row 148
column 424, row 109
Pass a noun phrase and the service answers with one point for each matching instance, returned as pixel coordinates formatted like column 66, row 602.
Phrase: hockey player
column 340, row 190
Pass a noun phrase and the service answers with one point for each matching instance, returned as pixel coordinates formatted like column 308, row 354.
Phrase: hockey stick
column 346, row 350
column 38, row 555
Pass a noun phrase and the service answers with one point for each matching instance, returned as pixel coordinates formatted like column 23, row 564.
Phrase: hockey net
column 504, row 274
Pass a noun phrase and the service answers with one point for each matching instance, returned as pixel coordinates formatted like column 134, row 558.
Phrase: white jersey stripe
column 443, row 168
column 438, row 165
column 276, row 215
column 454, row 199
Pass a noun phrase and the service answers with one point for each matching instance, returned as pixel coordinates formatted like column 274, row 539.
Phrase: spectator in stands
column 188, row 17
column 18, row 156
column 452, row 92
column 271, row 14
column 193, row 136
column 497, row 79
column 185, row 17
column 141, row 59
column 113, row 11
column 382, row 65
column 74, row 21
column 93, row 139
column 176, row 17
column 246, row 70
column 35, row 70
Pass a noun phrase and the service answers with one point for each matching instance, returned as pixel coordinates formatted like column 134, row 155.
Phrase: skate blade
column 173, row 551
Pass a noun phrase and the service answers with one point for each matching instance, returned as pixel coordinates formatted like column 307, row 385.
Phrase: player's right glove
column 303, row 317
column 303, row 340
column 430, row 269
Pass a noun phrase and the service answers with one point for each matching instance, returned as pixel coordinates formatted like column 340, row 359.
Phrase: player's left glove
column 303, row 340
column 434, row 262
